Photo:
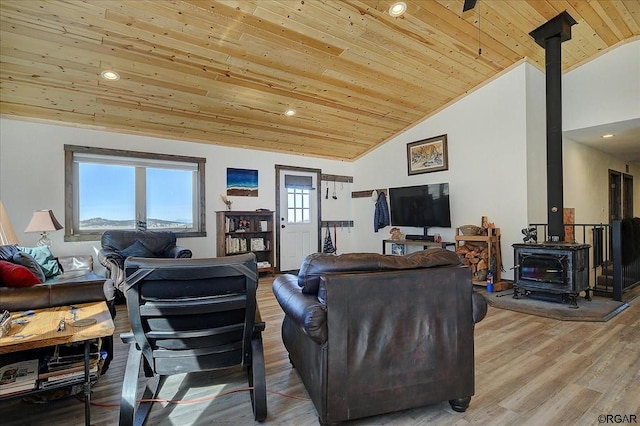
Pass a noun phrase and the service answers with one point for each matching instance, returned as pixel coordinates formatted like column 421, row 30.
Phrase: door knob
column 282, row 226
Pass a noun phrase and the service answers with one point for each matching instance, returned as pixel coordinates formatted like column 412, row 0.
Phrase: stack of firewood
column 476, row 256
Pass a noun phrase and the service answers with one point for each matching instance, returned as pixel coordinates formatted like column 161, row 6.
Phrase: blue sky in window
column 108, row 191
column 169, row 194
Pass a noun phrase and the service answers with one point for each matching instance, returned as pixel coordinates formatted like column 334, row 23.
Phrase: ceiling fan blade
column 468, row 5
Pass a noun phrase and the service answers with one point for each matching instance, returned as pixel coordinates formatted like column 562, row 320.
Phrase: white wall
column 487, row 172
column 32, row 176
column 586, row 179
column 602, row 91
column 497, row 150
column 605, row 90
column 536, row 146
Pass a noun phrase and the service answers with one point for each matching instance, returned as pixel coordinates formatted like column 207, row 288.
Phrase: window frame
column 305, row 195
column 72, row 234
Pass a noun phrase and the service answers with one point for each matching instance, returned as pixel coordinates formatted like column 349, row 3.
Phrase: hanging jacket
column 381, row 213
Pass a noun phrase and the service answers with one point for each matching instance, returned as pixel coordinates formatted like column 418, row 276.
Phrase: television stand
column 425, row 244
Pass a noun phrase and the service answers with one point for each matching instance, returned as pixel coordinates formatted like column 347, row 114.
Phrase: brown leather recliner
column 371, row 333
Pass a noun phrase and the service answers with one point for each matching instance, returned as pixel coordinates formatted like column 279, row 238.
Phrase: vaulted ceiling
column 224, row 72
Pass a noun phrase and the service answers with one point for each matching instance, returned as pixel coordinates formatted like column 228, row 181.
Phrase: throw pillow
column 137, row 249
column 30, row 263
column 7, row 252
column 45, row 259
column 12, row 275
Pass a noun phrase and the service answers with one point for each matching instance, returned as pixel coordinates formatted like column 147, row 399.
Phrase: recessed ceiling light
column 110, row 75
column 398, row 9
column 290, row 112
column 607, row 136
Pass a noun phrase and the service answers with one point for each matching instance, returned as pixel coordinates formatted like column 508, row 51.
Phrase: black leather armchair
column 371, row 334
column 118, row 245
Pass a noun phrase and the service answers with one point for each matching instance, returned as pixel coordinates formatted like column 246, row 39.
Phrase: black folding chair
column 190, row 315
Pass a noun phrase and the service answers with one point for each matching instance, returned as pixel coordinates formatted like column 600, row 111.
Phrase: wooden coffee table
column 42, row 329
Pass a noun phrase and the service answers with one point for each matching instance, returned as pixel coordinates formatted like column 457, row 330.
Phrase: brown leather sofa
column 372, row 334
column 75, row 285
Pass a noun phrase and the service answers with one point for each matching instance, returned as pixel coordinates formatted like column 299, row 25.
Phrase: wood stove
column 552, row 271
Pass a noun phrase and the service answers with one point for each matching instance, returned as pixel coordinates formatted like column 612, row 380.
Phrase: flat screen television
column 421, row 206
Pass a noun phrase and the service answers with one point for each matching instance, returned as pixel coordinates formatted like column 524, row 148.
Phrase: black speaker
column 427, row 238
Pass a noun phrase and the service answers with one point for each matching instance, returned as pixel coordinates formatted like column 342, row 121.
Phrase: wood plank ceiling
column 224, row 72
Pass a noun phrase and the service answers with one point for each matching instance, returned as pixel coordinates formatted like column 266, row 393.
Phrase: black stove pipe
column 550, row 36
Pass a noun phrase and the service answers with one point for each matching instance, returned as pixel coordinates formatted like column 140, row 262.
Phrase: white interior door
column 298, row 219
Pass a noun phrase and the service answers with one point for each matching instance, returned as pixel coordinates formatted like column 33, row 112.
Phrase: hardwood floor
column 529, row 371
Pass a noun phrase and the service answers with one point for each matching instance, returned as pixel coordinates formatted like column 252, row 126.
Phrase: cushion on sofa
column 317, row 264
column 158, row 242
column 137, row 249
column 43, row 256
column 26, row 260
column 13, row 275
column 7, row 252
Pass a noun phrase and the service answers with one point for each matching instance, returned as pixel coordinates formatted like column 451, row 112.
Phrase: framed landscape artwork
column 242, row 182
column 427, row 155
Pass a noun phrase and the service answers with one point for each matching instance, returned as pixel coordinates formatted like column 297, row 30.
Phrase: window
column 298, row 205
column 114, row 189
column 298, row 198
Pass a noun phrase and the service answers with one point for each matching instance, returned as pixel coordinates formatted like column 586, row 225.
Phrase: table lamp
column 7, row 234
column 43, row 221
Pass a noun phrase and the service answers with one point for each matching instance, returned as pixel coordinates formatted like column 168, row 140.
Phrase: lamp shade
column 43, row 221
column 7, row 234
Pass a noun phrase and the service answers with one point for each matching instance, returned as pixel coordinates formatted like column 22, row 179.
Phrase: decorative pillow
column 137, row 249
column 12, row 275
column 30, row 263
column 45, row 259
column 7, row 252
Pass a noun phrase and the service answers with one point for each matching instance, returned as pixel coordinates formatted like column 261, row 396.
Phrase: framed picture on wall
column 427, row 155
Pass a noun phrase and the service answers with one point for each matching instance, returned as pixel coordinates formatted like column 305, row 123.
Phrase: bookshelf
column 246, row 231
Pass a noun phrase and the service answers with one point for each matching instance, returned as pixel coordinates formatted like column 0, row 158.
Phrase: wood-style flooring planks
column 529, row 371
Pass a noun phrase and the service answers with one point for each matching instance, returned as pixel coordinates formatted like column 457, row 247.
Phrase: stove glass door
column 543, row 268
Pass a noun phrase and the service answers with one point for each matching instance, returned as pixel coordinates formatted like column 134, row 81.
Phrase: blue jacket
column 381, row 213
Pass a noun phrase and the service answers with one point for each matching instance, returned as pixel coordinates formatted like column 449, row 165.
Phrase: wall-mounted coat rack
column 336, row 178
column 367, row 194
column 336, row 223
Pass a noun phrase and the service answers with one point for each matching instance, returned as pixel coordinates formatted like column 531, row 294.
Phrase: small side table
column 41, row 330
